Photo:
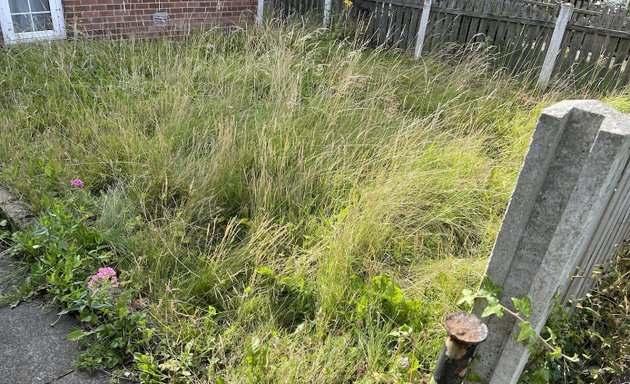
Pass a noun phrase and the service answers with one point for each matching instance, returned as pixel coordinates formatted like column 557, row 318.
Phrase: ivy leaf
column 557, row 353
column 488, row 289
column 493, row 308
column 541, row 376
column 527, row 332
column 523, row 305
column 469, row 297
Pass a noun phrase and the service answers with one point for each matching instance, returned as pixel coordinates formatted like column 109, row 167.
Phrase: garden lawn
column 283, row 205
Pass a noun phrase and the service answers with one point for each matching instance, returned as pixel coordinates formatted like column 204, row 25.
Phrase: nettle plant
column 489, row 293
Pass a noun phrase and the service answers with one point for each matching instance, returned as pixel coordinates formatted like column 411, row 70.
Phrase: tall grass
column 265, row 173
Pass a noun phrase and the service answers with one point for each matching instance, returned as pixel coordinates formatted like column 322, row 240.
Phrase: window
column 31, row 20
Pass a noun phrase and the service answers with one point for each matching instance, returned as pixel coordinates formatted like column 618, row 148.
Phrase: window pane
column 22, row 23
column 18, row 6
column 42, row 22
column 40, row 5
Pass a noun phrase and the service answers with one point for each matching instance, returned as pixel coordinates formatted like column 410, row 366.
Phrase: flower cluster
column 106, row 277
column 77, row 183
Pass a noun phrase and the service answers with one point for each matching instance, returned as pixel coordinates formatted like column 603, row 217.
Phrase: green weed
column 283, row 201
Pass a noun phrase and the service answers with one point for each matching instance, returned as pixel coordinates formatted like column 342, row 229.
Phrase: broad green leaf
column 469, row 297
column 523, row 305
column 77, row 334
column 406, row 330
column 493, row 308
column 122, row 308
column 85, row 316
column 557, row 353
column 488, row 289
column 527, row 332
column 541, row 376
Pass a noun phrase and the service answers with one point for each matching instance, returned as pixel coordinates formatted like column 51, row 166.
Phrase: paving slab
column 35, row 348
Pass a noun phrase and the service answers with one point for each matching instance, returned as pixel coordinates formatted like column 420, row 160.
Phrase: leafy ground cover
column 279, row 205
column 598, row 332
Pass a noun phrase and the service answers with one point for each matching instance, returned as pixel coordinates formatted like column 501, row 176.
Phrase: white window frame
column 12, row 37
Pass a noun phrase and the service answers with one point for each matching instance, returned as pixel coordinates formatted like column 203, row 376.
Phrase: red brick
column 126, row 18
column 119, row 19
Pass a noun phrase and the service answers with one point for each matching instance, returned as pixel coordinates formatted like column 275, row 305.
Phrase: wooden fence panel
column 499, row 38
column 439, row 24
column 414, row 23
column 621, row 61
column 482, row 29
column 462, row 34
column 595, row 48
column 493, row 24
column 410, row 22
column 291, row 8
column 436, row 23
column 383, row 23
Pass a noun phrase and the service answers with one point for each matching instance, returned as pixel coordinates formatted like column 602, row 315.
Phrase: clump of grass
column 283, row 200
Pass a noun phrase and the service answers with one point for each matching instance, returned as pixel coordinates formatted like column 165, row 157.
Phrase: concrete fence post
column 568, row 212
column 260, row 12
column 422, row 29
column 327, row 12
column 566, row 11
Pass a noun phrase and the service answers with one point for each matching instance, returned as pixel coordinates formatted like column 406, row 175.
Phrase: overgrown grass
column 315, row 194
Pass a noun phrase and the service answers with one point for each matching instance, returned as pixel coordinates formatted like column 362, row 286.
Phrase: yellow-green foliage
column 284, row 201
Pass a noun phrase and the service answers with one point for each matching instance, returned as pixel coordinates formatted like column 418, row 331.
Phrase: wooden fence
column 593, row 47
column 287, row 8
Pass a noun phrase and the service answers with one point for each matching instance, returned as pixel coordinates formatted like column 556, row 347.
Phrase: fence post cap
column 465, row 328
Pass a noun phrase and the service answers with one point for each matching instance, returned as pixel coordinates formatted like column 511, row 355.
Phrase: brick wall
column 124, row 18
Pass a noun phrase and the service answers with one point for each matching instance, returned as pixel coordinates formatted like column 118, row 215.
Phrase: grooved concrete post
column 566, row 10
column 570, row 209
column 260, row 12
column 327, row 12
column 422, row 29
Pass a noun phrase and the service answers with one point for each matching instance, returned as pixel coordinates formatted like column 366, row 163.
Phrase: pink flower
column 77, row 183
column 106, row 277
